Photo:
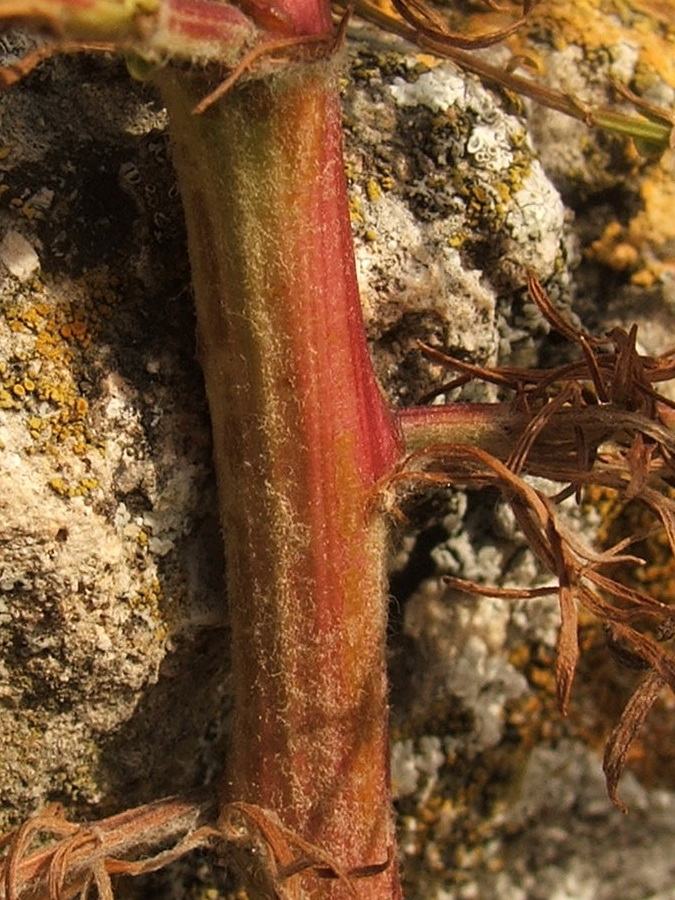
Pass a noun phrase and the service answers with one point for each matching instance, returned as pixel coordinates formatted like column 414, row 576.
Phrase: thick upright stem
column 301, row 438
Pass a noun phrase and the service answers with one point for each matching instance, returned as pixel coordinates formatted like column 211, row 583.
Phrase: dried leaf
column 426, row 23
column 281, row 852
column 594, row 421
column 82, row 856
column 470, row 587
column 625, row 731
column 568, row 647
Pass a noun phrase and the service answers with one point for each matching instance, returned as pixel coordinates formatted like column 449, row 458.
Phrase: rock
column 18, row 256
column 113, row 647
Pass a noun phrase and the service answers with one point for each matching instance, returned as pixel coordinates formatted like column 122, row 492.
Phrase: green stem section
column 302, row 437
column 492, row 426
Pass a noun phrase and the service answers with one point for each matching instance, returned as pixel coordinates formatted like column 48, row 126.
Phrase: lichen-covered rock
column 450, row 206
column 113, row 645
column 110, row 567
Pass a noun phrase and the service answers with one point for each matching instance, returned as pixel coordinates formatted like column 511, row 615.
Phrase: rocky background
column 113, row 637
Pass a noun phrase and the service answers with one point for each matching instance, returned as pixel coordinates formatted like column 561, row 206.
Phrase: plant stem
column 302, row 436
column 492, row 426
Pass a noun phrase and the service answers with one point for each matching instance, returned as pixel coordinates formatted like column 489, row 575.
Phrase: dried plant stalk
column 133, row 842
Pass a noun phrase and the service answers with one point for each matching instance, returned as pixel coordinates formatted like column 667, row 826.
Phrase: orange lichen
column 655, row 222
column 648, row 29
column 601, row 25
column 619, row 520
column 614, row 249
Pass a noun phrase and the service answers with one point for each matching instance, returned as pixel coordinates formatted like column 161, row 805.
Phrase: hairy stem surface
column 301, row 438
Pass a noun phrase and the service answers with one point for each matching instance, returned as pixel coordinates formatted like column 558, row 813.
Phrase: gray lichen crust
column 450, row 206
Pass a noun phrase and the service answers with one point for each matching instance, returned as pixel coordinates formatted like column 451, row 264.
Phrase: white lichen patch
column 437, row 90
column 425, row 274
column 563, row 802
column 413, row 762
column 490, row 149
column 624, row 57
column 535, row 220
column 493, row 136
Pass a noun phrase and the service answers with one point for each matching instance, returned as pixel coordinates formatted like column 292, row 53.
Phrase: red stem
column 302, row 437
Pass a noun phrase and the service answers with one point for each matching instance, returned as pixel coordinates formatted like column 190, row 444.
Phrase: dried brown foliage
column 269, row 854
column 430, row 26
column 77, row 859
column 596, row 421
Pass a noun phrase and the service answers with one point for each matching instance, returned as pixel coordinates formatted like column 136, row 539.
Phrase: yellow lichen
column 41, row 378
column 355, row 209
column 81, row 487
column 373, row 190
column 59, row 486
